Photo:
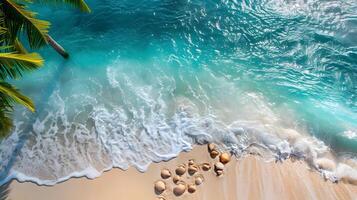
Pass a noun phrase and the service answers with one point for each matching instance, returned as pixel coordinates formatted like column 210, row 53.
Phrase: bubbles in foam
column 137, row 121
column 350, row 134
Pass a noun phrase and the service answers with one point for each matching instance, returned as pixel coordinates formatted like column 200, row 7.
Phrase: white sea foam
column 350, row 134
column 134, row 123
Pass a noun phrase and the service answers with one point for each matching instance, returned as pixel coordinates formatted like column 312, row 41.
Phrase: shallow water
column 148, row 79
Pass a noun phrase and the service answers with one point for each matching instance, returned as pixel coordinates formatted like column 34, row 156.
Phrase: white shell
column 198, row 180
column 218, row 166
column 219, row 172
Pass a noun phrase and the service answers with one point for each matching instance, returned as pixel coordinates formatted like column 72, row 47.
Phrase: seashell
column 219, row 172
column 191, row 162
column 160, row 187
column 206, row 166
column 218, row 166
column 181, row 170
column 191, row 188
column 179, row 189
column 192, row 169
column 176, row 179
column 198, row 180
column 214, row 154
column 165, row 174
column 225, row 158
column 211, row 147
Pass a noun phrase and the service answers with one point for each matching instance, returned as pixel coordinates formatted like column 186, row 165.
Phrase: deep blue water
column 148, row 78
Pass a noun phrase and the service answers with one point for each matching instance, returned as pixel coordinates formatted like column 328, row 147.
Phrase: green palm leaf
column 13, row 64
column 2, row 31
column 10, row 95
column 80, row 4
column 15, row 20
column 19, row 47
column 5, row 128
column 18, row 18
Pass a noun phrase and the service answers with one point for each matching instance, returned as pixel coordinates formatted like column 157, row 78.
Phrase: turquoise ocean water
column 148, row 79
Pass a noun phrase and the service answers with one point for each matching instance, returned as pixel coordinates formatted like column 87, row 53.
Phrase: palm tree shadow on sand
column 51, row 86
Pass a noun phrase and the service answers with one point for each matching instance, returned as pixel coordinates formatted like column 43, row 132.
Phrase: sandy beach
column 247, row 178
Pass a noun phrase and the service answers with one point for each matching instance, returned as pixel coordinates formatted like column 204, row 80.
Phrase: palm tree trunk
column 57, row 47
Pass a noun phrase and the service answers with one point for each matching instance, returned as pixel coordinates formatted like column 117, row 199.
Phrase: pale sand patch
column 249, row 178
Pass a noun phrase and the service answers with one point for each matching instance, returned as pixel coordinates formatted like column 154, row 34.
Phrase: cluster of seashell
column 193, row 170
column 224, row 158
column 180, row 185
column 212, row 149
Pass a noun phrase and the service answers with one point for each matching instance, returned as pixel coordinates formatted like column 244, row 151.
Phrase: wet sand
column 247, row 178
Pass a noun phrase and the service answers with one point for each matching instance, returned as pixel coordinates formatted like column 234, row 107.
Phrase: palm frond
column 10, row 95
column 79, row 4
column 13, row 64
column 5, row 128
column 17, row 18
column 19, row 47
column 7, row 44
column 3, row 30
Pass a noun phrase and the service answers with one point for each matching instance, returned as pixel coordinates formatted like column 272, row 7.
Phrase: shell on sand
column 191, row 188
column 198, row 180
column 211, row 147
column 219, row 172
column 218, row 168
column 160, row 198
column 176, row 179
column 165, row 174
column 160, row 187
column 214, row 153
column 225, row 158
column 179, row 189
column 191, row 162
column 192, row 169
column 181, row 170
column 206, row 166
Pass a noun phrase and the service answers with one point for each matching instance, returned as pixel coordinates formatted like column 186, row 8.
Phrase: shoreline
column 246, row 178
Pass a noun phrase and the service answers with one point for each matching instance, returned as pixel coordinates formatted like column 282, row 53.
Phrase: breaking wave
column 150, row 79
